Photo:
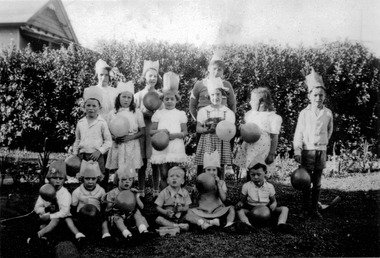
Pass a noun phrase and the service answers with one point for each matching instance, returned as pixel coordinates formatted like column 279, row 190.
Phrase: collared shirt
column 258, row 195
column 169, row 197
column 81, row 196
column 92, row 137
column 63, row 197
column 313, row 131
column 199, row 98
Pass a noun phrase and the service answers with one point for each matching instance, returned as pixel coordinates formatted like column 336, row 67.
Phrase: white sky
column 227, row 21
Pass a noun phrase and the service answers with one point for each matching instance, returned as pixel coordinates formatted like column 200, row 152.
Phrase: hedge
column 41, row 92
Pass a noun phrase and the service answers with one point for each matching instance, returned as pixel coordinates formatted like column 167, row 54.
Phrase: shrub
column 40, row 92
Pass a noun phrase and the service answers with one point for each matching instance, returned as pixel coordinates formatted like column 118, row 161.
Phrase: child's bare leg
column 119, row 222
column 192, row 218
column 283, row 217
column 71, row 225
column 165, row 222
column 156, row 179
column 231, row 216
column 105, row 229
column 242, row 214
column 164, row 168
column 222, row 171
column 141, row 222
column 141, row 175
column 49, row 227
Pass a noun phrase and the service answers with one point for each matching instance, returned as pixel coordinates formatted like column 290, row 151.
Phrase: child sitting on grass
column 212, row 193
column 173, row 201
column 52, row 211
column 119, row 218
column 259, row 192
column 86, row 205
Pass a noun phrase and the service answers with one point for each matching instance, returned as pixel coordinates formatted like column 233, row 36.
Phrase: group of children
column 127, row 156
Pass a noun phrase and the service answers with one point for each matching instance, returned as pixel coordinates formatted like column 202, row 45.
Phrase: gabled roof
column 25, row 12
column 19, row 11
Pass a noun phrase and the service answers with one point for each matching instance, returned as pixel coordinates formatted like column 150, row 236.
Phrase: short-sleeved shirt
column 135, row 119
column 270, row 122
column 169, row 197
column 81, row 196
column 258, row 195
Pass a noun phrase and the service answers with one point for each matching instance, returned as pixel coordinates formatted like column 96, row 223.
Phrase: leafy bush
column 40, row 92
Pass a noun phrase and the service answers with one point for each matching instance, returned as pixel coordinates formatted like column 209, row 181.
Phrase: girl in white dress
column 174, row 123
column 263, row 115
column 126, row 149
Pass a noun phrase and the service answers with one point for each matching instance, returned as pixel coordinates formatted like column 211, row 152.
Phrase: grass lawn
column 351, row 228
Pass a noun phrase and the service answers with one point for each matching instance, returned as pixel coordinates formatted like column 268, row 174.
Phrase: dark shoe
column 231, row 229
column 244, row 229
column 285, row 228
column 37, row 242
column 108, row 241
column 147, row 235
column 316, row 215
column 81, row 242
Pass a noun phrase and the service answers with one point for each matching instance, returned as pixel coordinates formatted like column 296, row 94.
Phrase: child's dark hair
column 177, row 97
column 255, row 167
column 132, row 106
column 100, row 104
column 265, row 97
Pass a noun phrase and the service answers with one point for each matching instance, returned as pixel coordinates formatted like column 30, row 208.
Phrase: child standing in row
column 118, row 218
column 264, row 116
column 92, row 136
column 258, row 192
column 88, row 215
column 313, row 131
column 52, row 212
column 151, row 82
column 174, row 123
column 126, row 149
column 173, row 202
column 102, row 70
column 207, row 119
column 200, row 98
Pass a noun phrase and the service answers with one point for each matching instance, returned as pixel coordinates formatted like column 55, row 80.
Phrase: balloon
column 119, row 126
column 152, row 101
column 300, row 179
column 261, row 214
column 73, row 163
column 88, row 210
column 126, row 201
column 160, row 140
column 47, row 192
column 205, row 183
column 225, row 130
column 250, row 132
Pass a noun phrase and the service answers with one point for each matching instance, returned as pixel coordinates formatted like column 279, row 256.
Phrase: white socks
column 143, row 228
column 106, row 235
column 79, row 235
column 126, row 233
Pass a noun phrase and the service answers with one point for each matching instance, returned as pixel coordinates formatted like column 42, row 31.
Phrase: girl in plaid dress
column 207, row 119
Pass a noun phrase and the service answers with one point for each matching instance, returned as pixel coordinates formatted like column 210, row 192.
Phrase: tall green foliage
column 40, row 92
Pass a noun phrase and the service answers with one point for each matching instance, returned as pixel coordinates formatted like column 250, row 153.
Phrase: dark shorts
column 313, row 159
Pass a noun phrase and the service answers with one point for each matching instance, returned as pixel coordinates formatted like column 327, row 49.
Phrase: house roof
column 25, row 12
column 19, row 11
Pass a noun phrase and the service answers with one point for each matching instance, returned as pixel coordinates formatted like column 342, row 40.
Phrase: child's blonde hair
column 264, row 97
